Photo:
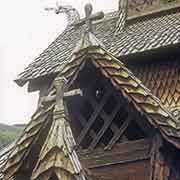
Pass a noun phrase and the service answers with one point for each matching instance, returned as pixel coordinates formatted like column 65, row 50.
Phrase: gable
column 107, row 128
column 102, row 117
column 125, row 82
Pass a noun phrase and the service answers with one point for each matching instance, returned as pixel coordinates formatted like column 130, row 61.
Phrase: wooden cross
column 89, row 17
column 70, row 93
column 60, row 92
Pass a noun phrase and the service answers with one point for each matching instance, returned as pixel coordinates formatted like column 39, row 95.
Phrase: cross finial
column 89, row 17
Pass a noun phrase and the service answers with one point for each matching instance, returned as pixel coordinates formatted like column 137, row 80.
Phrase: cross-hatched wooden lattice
column 105, row 122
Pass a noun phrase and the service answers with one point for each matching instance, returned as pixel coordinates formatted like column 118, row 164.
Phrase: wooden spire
column 58, row 155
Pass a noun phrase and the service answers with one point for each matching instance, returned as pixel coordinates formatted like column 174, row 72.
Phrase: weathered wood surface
column 92, row 119
column 118, row 133
column 138, row 170
column 121, row 153
column 165, row 164
column 57, row 154
column 130, row 87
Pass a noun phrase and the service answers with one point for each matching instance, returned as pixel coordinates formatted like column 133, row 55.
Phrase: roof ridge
column 126, row 43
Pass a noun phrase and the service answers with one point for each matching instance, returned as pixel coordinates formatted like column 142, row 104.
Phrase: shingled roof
column 121, row 78
column 57, row 152
column 139, row 35
column 126, row 83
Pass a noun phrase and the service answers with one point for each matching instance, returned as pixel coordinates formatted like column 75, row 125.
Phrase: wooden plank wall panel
column 121, row 153
column 129, row 171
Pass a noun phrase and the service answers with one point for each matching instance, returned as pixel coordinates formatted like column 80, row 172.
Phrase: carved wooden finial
column 90, row 17
column 71, row 13
column 56, row 9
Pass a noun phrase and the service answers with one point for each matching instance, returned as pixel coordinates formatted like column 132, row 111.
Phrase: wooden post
column 158, row 170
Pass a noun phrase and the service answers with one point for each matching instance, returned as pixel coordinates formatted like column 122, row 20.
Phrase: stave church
column 109, row 98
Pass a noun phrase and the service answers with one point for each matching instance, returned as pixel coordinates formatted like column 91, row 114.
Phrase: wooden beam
column 119, row 133
column 92, row 118
column 46, row 99
column 73, row 92
column 83, row 123
column 121, row 153
column 114, row 128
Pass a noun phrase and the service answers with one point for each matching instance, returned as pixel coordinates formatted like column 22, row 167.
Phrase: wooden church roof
column 91, row 49
column 141, row 33
column 66, row 62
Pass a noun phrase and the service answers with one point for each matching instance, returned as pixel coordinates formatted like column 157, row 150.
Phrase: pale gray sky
column 26, row 29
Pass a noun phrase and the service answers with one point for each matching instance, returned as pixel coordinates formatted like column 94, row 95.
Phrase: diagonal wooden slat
column 92, row 118
column 114, row 127
column 83, row 123
column 119, row 133
column 108, row 120
column 92, row 133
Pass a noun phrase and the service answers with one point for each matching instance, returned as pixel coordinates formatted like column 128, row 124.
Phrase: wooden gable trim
column 121, row 153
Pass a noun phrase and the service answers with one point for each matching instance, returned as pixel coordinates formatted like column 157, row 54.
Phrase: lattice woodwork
column 101, row 118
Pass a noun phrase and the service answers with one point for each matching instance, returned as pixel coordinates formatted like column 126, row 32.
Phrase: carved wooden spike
column 58, row 149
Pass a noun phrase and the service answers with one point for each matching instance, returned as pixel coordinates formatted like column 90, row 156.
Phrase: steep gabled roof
column 16, row 155
column 49, row 131
column 124, row 81
column 138, row 36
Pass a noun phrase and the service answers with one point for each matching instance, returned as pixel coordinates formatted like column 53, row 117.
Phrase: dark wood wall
column 128, row 171
column 125, row 161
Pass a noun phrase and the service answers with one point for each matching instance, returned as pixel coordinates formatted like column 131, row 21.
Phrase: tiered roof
column 64, row 58
column 141, row 34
